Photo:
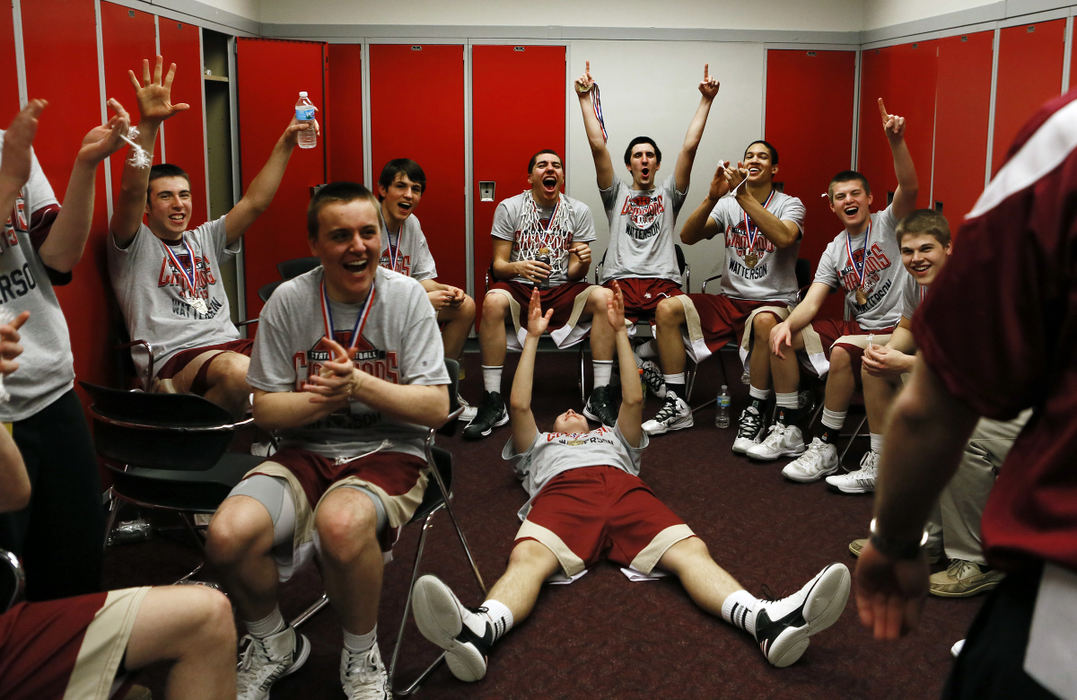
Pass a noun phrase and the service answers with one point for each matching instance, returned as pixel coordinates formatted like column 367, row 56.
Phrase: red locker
column 508, row 128
column 811, row 92
column 343, row 115
column 9, row 78
column 270, row 75
column 417, row 112
column 1030, row 59
column 963, row 105
column 184, row 134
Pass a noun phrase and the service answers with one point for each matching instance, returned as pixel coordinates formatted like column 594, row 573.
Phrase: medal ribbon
column 864, row 255
column 394, row 253
column 545, row 236
column 753, row 232
column 189, row 279
column 596, row 102
column 360, row 320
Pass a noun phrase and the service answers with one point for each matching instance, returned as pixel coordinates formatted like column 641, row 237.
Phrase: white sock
column 358, row 643
column 876, row 442
column 761, row 394
column 833, row 419
column 739, row 608
column 491, row 378
column 677, row 378
column 603, row 370
column 500, row 617
column 789, row 400
column 270, row 624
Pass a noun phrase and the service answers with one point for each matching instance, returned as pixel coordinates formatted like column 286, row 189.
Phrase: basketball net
column 534, row 239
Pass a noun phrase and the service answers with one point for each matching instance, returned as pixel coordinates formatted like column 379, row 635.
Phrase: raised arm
column 260, row 192
column 630, row 415
column 699, row 225
column 522, row 419
column 682, row 171
column 14, row 483
column 17, row 157
column 908, row 185
column 154, row 97
column 595, row 139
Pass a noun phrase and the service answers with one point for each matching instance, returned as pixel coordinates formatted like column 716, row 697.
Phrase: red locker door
column 885, row 73
column 417, row 112
column 9, row 78
column 1030, row 59
column 270, row 75
column 811, row 92
column 508, row 128
column 184, row 134
column 963, row 104
column 342, row 119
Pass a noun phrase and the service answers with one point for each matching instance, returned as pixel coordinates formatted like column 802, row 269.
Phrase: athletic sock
column 832, row 422
column 739, row 610
column 760, row 394
column 358, row 643
column 876, row 442
column 491, row 378
column 674, row 383
column 270, row 624
column 787, row 404
column 603, row 370
column 500, row 617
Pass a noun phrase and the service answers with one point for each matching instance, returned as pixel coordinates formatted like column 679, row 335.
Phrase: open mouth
column 356, row 266
column 754, row 170
column 549, row 182
column 851, row 211
column 921, row 268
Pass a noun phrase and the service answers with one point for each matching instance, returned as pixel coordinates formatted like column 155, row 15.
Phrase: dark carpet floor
column 604, row 636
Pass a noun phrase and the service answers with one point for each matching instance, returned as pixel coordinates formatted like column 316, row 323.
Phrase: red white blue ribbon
column 864, row 254
column 394, row 252
column 188, row 278
column 360, row 320
column 753, row 231
column 596, row 102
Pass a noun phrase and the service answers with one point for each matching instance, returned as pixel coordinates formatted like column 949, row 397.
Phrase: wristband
column 893, row 548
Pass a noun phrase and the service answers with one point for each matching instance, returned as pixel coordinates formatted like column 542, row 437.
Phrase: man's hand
column 9, row 343
column 102, row 141
column 881, row 360
column 441, row 298
column 290, row 137
column 533, row 270
column 780, row 335
column 15, row 164
column 585, row 82
column 708, row 87
column 893, row 125
column 889, row 592
column 582, row 251
column 722, row 181
column 155, row 96
column 536, row 320
column 615, row 309
column 339, row 378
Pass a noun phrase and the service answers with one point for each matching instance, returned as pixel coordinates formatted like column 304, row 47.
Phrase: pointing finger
column 882, row 110
column 706, row 68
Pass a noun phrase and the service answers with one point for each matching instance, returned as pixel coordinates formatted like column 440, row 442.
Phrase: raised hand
column 536, row 320
column 9, row 343
column 155, row 95
column 708, row 87
column 585, row 82
column 294, row 128
column 102, row 141
column 893, row 125
column 15, row 163
column 615, row 308
column 721, row 183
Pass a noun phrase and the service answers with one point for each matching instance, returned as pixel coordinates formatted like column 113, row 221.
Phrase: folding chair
column 12, row 580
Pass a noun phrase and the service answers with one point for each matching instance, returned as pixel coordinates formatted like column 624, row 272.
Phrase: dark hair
column 401, row 165
column 925, row 221
column 166, row 170
column 642, row 139
column 847, row 176
column 343, row 192
column 531, row 163
column 770, row 147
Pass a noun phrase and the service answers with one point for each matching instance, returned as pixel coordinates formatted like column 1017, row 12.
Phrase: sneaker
column 860, row 481
column 857, row 546
column 820, row 459
column 933, row 549
column 955, row 650
column 599, row 406
column 465, row 634
column 469, row 412
column 750, row 429
column 491, row 414
column 652, row 378
column 781, row 441
column 963, row 579
column 362, row 675
column 674, row 415
column 782, row 627
column 268, row 658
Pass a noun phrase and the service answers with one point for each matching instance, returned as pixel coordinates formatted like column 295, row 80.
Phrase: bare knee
column 598, row 298
column 346, row 522
column 684, row 554
column 465, row 312
column 212, row 614
column 669, row 313
column 840, row 360
column 761, row 325
column 494, row 308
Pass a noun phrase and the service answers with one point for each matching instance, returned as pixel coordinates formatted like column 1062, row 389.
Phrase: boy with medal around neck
column 762, row 230
column 865, row 262
column 167, row 279
column 348, row 367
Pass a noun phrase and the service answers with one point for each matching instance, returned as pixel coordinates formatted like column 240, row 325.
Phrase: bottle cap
column 725, row 388
column 302, row 93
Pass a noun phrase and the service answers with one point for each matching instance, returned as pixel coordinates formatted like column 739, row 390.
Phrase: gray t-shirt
column 399, row 342
column 773, row 276
column 641, row 231
column 884, row 275
column 413, row 257
column 528, row 225
column 911, row 295
column 555, row 453
column 153, row 292
column 45, row 365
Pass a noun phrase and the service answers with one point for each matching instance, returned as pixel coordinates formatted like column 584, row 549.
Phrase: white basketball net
column 535, row 240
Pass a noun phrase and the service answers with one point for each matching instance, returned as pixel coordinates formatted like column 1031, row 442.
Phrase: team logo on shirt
column 382, row 364
column 403, row 263
column 875, row 264
column 644, row 214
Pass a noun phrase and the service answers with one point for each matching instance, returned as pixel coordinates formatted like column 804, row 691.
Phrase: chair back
column 12, row 580
column 297, row 266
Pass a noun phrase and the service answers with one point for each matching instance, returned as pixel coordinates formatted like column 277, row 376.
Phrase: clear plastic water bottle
column 721, row 417
column 545, row 260
column 304, row 114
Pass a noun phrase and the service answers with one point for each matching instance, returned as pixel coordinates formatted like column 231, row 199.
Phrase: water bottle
column 304, row 114
column 544, row 259
column 721, row 418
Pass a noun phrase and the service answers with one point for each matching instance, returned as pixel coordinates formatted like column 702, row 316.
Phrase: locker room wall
column 9, row 84
column 342, row 120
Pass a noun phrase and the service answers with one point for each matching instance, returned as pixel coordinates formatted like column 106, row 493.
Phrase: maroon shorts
column 721, row 319
column 560, row 298
column 603, row 512
column 642, row 295
column 181, row 359
column 830, row 330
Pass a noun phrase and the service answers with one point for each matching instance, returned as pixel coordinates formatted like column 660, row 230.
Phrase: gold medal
column 861, row 297
column 751, row 259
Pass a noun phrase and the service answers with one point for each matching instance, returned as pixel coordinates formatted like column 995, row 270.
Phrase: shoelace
column 777, row 431
column 257, row 649
column 749, row 423
column 668, row 410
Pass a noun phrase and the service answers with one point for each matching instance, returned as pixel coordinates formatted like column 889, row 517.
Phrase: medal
column 191, row 296
column 751, row 259
column 198, row 304
column 861, row 295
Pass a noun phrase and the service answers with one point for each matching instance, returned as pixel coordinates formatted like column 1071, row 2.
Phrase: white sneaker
column 781, row 441
column 820, row 459
column 267, row 659
column 465, row 634
column 469, row 412
column 860, row 481
column 750, row 429
column 362, row 675
column 782, row 627
column 674, row 415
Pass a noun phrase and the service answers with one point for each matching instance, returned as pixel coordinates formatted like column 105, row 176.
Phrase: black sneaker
column 600, row 406
column 782, row 627
column 651, row 376
column 465, row 634
column 750, row 429
column 491, row 414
